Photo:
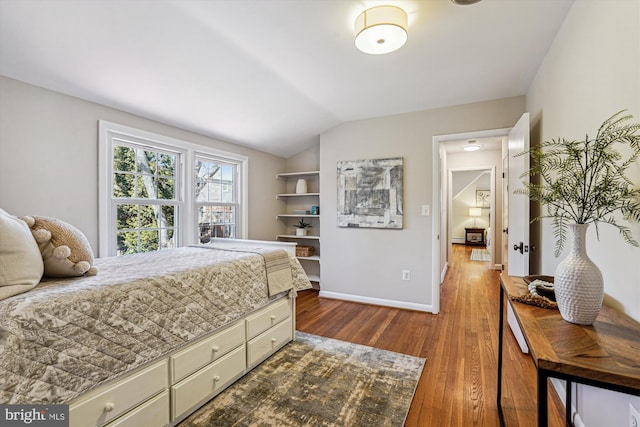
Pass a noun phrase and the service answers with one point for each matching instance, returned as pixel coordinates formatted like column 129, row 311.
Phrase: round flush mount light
column 464, row 2
column 472, row 145
column 381, row 29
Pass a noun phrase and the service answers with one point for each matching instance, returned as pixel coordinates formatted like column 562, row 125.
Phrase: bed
column 152, row 336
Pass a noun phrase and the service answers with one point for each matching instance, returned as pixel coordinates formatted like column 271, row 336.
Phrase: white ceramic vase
column 301, row 186
column 578, row 281
column 301, row 231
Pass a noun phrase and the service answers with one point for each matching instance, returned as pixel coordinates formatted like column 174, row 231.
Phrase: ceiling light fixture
column 472, row 146
column 464, row 2
column 381, row 29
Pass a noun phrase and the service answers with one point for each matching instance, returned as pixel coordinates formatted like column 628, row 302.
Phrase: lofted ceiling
column 272, row 74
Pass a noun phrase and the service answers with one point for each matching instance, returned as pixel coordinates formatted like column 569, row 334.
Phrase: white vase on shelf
column 301, row 186
column 301, row 231
column 578, row 281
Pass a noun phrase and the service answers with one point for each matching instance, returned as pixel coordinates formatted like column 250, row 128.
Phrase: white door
column 516, row 214
column 505, row 210
column 517, row 204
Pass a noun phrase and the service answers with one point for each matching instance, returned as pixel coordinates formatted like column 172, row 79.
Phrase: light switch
column 426, row 210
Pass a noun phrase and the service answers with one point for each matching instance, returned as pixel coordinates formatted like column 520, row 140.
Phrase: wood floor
column 459, row 381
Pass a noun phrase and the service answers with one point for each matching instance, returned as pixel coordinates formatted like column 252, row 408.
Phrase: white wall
column 466, row 199
column 591, row 71
column 49, row 159
column 368, row 262
column 307, row 160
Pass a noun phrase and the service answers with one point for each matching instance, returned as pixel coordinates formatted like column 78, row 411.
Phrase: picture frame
column 370, row 193
column 483, row 198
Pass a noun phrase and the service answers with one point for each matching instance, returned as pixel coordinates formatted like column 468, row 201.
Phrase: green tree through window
column 158, row 192
column 145, row 186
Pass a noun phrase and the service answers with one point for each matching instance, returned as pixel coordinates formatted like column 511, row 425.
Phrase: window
column 158, row 192
column 216, row 199
column 144, row 192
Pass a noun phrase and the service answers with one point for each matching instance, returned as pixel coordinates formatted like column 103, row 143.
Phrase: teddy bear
column 66, row 252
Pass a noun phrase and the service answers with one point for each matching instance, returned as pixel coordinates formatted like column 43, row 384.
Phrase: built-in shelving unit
column 294, row 236
column 302, row 202
column 298, row 195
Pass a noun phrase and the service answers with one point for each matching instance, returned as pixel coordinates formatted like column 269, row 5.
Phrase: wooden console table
column 605, row 354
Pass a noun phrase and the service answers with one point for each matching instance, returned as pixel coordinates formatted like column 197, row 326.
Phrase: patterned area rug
column 480, row 255
column 318, row 381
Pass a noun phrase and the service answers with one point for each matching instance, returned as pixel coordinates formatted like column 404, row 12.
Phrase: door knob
column 519, row 247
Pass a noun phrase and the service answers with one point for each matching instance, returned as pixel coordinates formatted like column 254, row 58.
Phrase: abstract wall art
column 370, row 193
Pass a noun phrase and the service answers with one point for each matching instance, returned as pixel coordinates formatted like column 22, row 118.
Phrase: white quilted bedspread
column 68, row 336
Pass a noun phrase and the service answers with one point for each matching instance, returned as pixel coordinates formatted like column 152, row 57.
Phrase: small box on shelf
column 305, row 251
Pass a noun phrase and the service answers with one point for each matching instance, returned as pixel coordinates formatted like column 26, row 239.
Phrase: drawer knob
column 109, row 407
column 216, row 378
column 273, row 317
column 215, row 348
column 273, row 340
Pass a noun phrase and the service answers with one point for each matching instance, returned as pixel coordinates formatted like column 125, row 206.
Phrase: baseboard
column 377, row 301
column 561, row 391
column 515, row 329
column 458, row 240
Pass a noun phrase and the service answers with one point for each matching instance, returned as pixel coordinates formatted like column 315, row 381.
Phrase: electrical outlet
column 634, row 416
column 426, row 210
column 406, row 275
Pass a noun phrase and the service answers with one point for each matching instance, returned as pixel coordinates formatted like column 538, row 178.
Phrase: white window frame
column 186, row 225
column 236, row 196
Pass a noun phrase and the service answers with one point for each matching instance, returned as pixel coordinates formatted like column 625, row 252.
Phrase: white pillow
column 21, row 264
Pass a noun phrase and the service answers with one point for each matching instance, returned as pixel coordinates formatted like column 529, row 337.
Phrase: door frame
column 492, row 208
column 439, row 261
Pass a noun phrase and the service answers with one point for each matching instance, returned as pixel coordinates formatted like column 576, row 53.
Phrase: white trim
column 104, row 183
column 138, row 133
column 471, row 135
column 561, row 390
column 107, row 131
column 290, row 247
column 239, row 180
column 244, row 200
column 444, row 272
column 377, row 301
column 515, row 329
column 436, row 280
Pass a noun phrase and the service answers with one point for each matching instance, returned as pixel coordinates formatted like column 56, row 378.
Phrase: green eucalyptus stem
column 585, row 182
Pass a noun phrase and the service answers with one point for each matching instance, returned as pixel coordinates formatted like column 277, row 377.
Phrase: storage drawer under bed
column 154, row 413
column 108, row 402
column 196, row 356
column 268, row 317
column 268, row 342
column 209, row 381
